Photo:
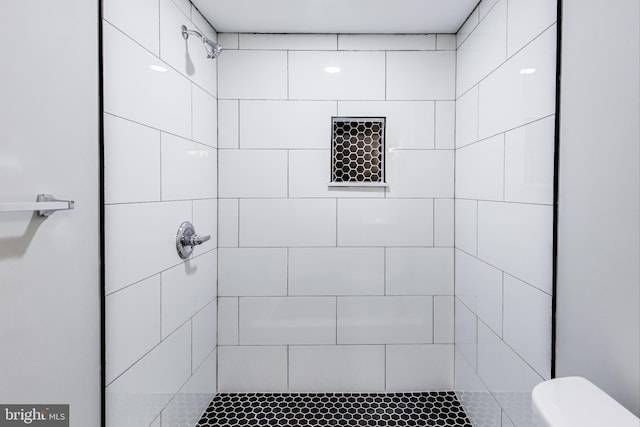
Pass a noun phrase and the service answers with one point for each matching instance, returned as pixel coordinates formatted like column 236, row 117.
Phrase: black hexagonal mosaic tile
column 358, row 149
column 335, row 409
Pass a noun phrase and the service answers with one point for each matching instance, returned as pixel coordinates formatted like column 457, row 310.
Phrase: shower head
column 213, row 49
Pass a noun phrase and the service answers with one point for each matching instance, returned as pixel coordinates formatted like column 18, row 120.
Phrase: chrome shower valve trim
column 186, row 239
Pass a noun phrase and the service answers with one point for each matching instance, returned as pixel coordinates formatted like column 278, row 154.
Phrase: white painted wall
column 598, row 291
column 505, row 121
column 50, row 269
column 316, row 282
column 160, row 170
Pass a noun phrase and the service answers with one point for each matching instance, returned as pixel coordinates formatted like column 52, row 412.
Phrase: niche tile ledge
column 358, row 184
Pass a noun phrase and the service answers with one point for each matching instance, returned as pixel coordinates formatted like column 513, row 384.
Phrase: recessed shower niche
column 357, row 151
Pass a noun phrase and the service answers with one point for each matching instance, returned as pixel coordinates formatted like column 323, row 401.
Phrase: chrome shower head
column 212, row 48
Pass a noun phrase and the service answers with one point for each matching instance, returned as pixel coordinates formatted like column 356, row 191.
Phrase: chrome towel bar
column 45, row 205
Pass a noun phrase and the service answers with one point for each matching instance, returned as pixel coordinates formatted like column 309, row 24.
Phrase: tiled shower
column 339, row 276
column 439, row 281
column 505, row 127
column 160, row 170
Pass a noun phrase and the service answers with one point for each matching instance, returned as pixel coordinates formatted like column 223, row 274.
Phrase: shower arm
column 213, row 48
column 186, row 33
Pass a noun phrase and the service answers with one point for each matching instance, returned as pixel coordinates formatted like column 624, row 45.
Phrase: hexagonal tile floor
column 335, row 409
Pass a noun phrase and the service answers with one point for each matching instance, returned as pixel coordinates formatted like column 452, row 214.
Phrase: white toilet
column 576, row 402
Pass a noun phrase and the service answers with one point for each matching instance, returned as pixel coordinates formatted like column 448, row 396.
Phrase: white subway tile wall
column 467, row 118
column 419, row 271
column 314, row 281
column 361, row 75
column 475, row 395
column 506, row 68
column 284, row 320
column 132, row 330
column 252, row 271
column 139, row 395
column 244, row 74
column 138, row 148
column 197, row 391
column 386, row 42
column 445, row 125
column 385, row 320
column 354, row 271
column 480, row 170
column 348, row 368
column 466, row 225
column 484, row 51
column 255, row 368
column 186, row 289
column 421, row 75
column 160, row 170
column 409, row 367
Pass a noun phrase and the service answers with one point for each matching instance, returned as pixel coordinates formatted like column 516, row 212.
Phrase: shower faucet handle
column 195, row 240
column 187, row 238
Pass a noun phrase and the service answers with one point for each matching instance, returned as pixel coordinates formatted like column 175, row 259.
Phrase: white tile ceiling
column 336, row 16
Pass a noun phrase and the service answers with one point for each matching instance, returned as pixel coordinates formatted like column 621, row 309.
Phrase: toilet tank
column 576, row 402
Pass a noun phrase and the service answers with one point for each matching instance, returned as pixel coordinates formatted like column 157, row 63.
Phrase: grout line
column 477, row 254
column 154, row 274
column 217, row 368
column 385, row 75
column 435, row 125
column 191, row 117
column 336, row 320
column 412, row 344
column 288, row 77
column 160, row 166
column 384, row 269
column 336, row 223
column 504, row 167
column 433, row 320
column 239, row 133
column 238, row 328
column 477, row 341
column 288, row 366
column 157, row 129
column 343, row 296
column 433, row 219
column 238, row 206
column 503, row 202
column 477, row 86
column 506, row 344
column 159, row 31
column 502, row 320
column 506, row 60
column 350, row 100
column 385, row 367
column 506, row 33
column 155, row 346
column 168, row 201
column 160, row 290
column 505, row 272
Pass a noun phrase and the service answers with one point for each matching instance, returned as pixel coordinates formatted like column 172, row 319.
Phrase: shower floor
column 335, row 409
